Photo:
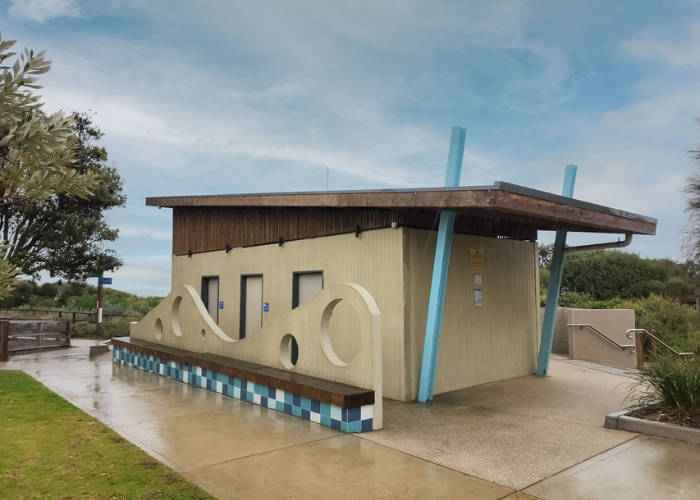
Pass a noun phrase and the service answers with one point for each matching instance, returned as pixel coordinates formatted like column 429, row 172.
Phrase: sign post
column 101, row 281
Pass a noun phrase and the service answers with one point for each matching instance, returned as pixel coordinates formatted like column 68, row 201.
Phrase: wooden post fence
column 639, row 348
column 4, row 340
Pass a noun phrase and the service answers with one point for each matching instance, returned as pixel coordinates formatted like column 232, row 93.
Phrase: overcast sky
column 213, row 97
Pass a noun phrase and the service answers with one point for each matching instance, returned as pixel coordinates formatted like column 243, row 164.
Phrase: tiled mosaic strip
column 342, row 419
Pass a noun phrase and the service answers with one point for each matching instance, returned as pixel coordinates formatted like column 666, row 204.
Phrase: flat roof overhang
column 505, row 202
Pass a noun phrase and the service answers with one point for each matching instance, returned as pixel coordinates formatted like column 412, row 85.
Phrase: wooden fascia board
column 398, row 200
column 571, row 215
column 497, row 203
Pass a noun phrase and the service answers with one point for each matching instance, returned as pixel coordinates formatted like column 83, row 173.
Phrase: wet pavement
column 545, row 424
column 518, row 439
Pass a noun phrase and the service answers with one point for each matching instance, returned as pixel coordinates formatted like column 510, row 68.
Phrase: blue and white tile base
column 342, row 419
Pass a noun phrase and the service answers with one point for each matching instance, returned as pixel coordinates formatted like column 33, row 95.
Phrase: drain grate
column 623, row 372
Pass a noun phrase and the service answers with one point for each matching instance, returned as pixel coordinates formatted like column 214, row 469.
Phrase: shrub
column 42, row 302
column 82, row 302
column 615, row 303
column 672, row 383
column 83, row 329
column 66, row 291
column 608, row 274
column 117, row 327
column 663, row 315
column 112, row 327
column 575, row 299
column 673, row 321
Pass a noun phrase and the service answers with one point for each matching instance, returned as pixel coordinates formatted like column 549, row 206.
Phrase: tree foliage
column 605, row 275
column 545, row 254
column 64, row 235
column 37, row 150
column 610, row 274
column 76, row 296
column 691, row 240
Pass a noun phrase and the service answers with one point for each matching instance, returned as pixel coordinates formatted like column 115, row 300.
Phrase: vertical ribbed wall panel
column 479, row 344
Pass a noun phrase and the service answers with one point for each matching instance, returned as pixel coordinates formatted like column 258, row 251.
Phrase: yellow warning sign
column 476, row 256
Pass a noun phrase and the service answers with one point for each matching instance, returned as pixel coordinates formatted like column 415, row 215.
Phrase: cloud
column 226, row 97
column 149, row 233
column 312, row 102
column 142, row 279
column 290, row 121
column 136, row 271
column 634, row 158
column 43, row 10
column 685, row 54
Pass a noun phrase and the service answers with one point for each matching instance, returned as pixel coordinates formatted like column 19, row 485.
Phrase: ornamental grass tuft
column 671, row 383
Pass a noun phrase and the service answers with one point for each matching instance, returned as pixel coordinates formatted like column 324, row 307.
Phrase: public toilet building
column 333, row 288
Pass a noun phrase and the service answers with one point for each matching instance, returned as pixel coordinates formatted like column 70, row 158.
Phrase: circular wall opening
column 203, row 333
column 288, row 354
column 158, row 330
column 175, row 316
column 340, row 332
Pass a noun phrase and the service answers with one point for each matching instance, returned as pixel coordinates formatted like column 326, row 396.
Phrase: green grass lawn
column 51, row 449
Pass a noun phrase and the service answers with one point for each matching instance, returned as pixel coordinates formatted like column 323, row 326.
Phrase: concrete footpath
column 518, row 439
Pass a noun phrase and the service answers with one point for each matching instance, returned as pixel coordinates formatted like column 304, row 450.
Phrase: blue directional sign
column 221, row 304
column 266, row 307
column 104, row 281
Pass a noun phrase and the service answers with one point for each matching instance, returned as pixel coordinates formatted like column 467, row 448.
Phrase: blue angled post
column 443, row 246
column 556, row 271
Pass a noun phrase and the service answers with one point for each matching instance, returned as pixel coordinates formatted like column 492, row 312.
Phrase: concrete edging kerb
column 622, row 421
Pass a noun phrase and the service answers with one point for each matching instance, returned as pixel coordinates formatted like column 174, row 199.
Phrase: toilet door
column 306, row 285
column 252, row 306
column 210, row 296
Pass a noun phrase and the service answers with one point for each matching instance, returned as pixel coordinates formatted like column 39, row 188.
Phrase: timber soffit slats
column 502, row 201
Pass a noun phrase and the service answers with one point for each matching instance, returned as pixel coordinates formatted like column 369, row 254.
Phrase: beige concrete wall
column 587, row 345
column 582, row 343
column 374, row 261
column 560, row 341
column 495, row 341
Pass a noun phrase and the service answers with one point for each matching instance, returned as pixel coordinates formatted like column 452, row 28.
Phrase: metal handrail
column 642, row 330
column 621, row 346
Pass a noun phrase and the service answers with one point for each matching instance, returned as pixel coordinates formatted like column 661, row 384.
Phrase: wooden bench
column 342, row 395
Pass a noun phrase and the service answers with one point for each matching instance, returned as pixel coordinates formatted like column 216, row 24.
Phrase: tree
column 39, row 232
column 609, row 274
column 691, row 238
column 36, row 149
column 612, row 274
column 545, row 254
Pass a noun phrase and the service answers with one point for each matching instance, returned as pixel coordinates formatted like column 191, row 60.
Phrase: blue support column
column 441, row 264
column 556, row 271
